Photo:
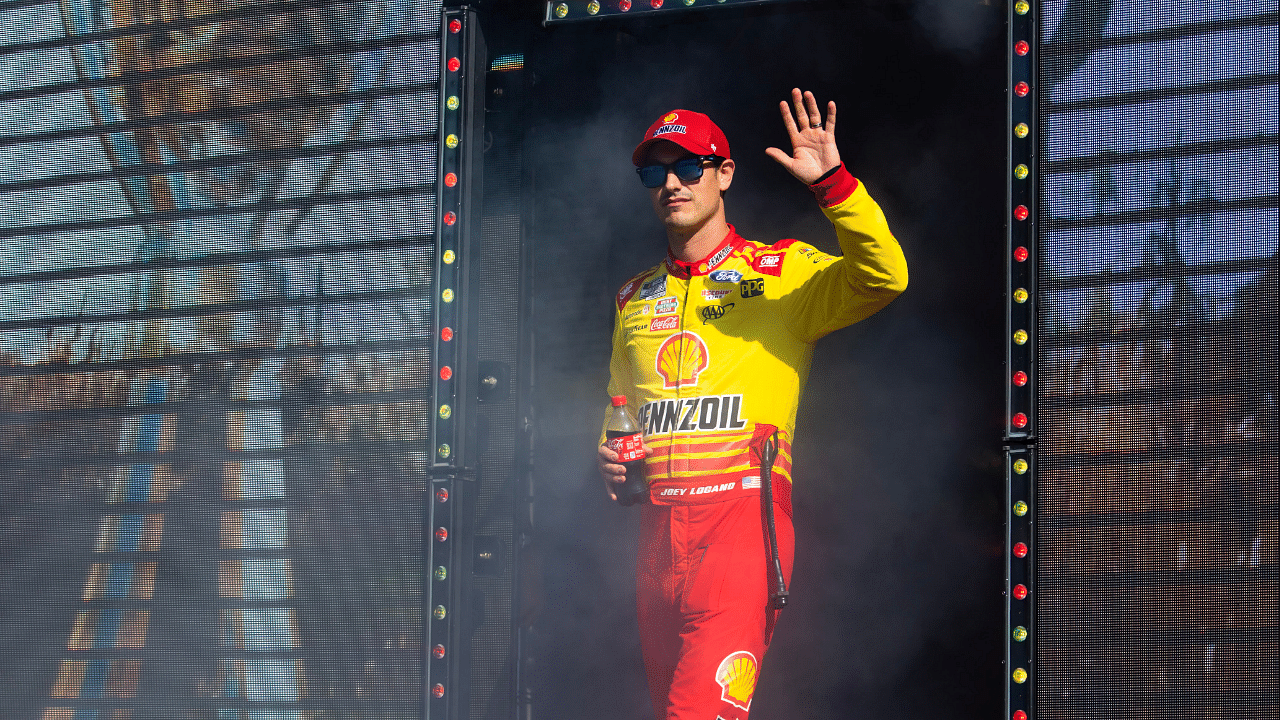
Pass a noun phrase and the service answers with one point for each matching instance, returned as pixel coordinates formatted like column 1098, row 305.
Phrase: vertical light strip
column 1020, row 371
column 450, row 229
column 449, row 221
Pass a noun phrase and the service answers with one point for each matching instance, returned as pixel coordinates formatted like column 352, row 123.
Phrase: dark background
column 897, row 594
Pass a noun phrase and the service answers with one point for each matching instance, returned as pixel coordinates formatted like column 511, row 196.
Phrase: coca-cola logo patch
column 666, row 322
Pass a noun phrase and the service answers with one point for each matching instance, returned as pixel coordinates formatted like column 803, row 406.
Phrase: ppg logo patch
column 751, row 287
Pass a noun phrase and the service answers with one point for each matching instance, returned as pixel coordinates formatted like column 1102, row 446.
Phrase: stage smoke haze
column 959, row 26
column 896, row 594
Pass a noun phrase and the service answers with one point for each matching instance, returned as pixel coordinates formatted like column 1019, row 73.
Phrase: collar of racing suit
column 683, row 270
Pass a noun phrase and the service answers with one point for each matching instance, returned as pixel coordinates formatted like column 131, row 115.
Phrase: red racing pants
column 703, row 578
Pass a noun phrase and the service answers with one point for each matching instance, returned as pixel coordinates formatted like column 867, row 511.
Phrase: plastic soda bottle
column 624, row 437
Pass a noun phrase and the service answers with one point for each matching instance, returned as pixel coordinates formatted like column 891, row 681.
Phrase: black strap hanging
column 777, row 598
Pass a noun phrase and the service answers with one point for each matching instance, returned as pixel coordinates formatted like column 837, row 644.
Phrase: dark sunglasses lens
column 652, row 176
column 689, row 169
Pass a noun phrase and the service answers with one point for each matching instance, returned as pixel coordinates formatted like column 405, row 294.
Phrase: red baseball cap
column 691, row 130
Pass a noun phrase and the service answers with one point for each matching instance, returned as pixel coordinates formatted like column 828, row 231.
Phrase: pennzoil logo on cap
column 680, row 359
column 669, row 127
column 737, row 678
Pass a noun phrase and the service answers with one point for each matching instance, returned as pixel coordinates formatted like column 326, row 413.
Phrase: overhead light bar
column 559, row 11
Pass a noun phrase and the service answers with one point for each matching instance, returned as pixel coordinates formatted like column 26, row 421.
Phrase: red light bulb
column 455, row 63
column 438, row 652
column 1021, row 212
column 1020, row 254
column 1019, row 420
column 624, row 5
column 446, row 334
column 1019, row 715
column 450, row 179
column 446, row 372
column 1019, row 549
column 1020, row 591
column 1021, row 89
column 442, row 495
column 1019, row 378
column 655, row 4
column 455, row 26
column 450, row 218
column 1021, row 47
column 437, row 691
column 442, row 534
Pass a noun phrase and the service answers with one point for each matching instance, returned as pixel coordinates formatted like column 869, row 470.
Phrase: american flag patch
column 750, row 483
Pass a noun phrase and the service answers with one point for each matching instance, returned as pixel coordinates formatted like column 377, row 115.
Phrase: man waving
column 712, row 349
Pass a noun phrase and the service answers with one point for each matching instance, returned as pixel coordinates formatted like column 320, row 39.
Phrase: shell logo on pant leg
column 680, row 359
column 737, row 678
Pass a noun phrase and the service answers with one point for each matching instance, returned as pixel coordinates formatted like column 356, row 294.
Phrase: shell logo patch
column 737, row 678
column 669, row 118
column 680, row 359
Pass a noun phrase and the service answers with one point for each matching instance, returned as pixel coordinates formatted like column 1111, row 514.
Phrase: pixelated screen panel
column 215, row 272
column 1155, row 583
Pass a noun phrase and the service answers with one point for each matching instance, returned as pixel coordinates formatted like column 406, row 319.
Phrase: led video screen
column 1155, row 588
column 215, row 277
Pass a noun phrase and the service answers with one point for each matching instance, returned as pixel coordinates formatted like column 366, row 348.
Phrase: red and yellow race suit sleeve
column 713, row 355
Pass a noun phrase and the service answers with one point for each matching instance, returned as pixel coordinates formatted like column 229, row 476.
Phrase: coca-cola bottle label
column 628, row 447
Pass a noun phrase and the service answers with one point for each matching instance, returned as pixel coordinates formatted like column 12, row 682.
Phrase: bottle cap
column 619, row 400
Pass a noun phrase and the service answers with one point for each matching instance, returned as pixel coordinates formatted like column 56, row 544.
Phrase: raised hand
column 813, row 140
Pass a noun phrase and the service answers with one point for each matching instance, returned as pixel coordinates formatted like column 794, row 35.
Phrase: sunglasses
column 687, row 169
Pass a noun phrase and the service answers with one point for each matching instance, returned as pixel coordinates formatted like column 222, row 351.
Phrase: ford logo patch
column 732, row 276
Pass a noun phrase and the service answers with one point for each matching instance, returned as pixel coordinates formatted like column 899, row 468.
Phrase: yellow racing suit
column 712, row 357
column 712, row 353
